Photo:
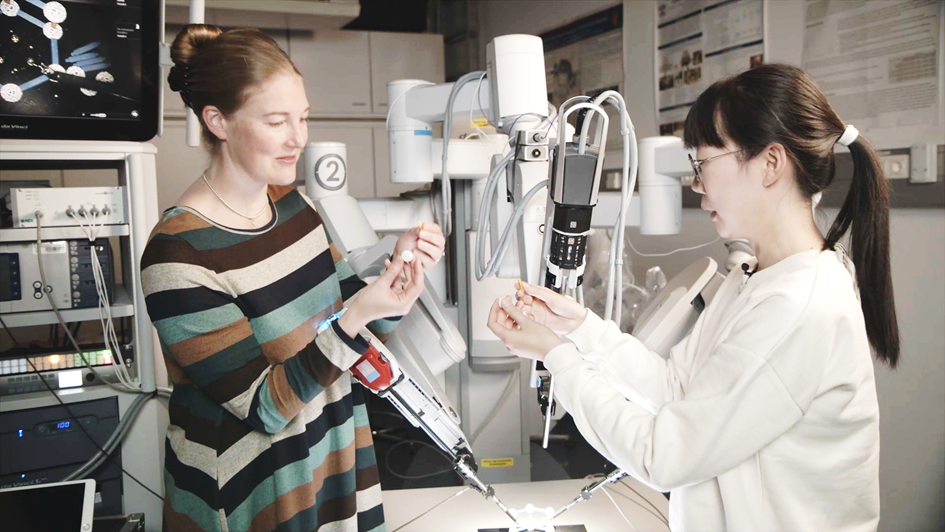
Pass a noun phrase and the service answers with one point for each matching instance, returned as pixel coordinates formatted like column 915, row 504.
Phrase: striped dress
column 266, row 430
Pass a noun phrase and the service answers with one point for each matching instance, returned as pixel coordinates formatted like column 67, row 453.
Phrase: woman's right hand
column 549, row 308
column 390, row 295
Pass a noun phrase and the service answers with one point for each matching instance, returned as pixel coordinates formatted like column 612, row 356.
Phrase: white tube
column 628, row 182
column 193, row 125
column 446, row 191
column 563, row 119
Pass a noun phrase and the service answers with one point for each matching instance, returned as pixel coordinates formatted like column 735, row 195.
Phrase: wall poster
column 877, row 61
column 698, row 43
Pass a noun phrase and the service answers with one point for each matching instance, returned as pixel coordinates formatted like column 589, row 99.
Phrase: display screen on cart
column 29, row 510
column 79, row 69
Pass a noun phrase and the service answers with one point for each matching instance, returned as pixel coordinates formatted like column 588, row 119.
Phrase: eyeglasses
column 697, row 164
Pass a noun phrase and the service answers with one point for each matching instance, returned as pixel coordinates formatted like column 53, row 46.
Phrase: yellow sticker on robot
column 479, row 122
column 498, row 462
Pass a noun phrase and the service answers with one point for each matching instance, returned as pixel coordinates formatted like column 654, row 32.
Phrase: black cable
column 9, row 332
column 73, row 416
column 416, row 477
column 644, row 508
column 621, row 482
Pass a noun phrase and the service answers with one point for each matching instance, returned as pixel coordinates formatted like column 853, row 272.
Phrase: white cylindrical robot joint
column 324, row 169
column 410, row 141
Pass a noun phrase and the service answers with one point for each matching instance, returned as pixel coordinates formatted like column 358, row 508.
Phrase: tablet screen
column 43, row 509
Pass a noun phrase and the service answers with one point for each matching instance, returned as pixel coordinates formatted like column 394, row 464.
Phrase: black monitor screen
column 29, row 510
column 78, row 69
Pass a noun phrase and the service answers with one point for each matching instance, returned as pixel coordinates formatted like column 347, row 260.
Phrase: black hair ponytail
column 866, row 210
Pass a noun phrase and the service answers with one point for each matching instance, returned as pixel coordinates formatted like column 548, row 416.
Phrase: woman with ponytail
column 765, row 417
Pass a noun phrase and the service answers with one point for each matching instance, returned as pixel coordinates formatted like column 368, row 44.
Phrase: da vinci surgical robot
column 528, row 200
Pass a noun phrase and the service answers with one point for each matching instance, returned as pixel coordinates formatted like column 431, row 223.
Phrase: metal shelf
column 28, row 234
column 122, row 307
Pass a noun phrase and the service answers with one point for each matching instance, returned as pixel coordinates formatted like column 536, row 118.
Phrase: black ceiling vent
column 386, row 15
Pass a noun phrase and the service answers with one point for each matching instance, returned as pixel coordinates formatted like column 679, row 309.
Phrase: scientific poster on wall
column 698, row 43
column 877, row 61
column 586, row 57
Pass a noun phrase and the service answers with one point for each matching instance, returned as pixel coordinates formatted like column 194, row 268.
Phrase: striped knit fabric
column 266, row 430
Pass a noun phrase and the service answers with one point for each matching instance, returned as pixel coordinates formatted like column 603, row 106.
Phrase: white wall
column 912, row 464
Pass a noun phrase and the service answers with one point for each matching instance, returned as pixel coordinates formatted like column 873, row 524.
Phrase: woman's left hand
column 426, row 244
column 522, row 336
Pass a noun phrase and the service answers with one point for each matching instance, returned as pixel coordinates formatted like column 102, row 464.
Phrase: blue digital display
column 63, row 424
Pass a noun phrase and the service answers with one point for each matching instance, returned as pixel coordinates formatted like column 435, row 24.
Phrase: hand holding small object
column 522, row 336
column 547, row 307
column 386, row 297
column 425, row 242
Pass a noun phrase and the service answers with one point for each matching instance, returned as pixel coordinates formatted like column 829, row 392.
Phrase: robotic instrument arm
column 425, row 342
column 379, row 372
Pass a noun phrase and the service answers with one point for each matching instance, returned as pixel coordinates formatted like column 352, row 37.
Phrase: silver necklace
column 252, row 219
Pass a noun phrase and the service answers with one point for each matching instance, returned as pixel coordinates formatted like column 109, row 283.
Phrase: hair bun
column 191, row 40
column 177, row 77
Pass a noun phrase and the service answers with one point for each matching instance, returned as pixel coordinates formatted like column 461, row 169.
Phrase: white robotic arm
column 536, row 234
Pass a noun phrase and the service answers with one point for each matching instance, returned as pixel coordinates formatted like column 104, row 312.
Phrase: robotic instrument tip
column 465, row 466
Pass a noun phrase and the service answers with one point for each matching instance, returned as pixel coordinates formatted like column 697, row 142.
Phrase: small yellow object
column 421, row 226
column 498, row 462
column 521, row 286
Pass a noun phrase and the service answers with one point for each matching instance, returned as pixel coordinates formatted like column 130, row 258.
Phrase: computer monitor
column 79, row 69
column 65, row 506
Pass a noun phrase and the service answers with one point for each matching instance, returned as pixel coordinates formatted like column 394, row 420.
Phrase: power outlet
column 924, row 163
column 896, row 166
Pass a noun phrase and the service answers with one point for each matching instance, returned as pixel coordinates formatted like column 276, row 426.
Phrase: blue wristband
column 327, row 323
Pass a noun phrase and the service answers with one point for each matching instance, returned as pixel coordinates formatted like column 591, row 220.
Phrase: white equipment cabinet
column 337, row 70
column 142, row 450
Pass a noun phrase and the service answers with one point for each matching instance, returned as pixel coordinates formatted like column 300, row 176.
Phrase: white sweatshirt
column 764, row 418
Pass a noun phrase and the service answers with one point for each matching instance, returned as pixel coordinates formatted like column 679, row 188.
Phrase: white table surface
column 471, row 511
